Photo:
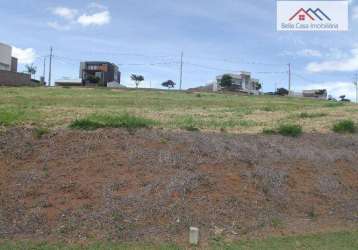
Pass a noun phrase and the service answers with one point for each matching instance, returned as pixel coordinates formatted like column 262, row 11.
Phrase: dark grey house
column 99, row 73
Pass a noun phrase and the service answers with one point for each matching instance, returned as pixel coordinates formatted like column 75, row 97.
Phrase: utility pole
column 50, row 68
column 356, row 84
column 181, row 70
column 44, row 71
column 289, row 78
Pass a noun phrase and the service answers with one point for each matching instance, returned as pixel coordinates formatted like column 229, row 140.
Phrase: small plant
column 269, row 131
column 305, row 115
column 189, row 124
column 268, row 109
column 345, row 126
column 39, row 132
column 312, row 214
column 191, row 128
column 293, row 130
column 106, row 121
column 276, row 223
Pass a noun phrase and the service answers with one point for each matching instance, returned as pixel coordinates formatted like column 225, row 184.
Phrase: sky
column 147, row 37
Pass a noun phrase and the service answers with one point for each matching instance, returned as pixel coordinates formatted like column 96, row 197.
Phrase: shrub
column 345, row 126
column 293, row 130
column 106, row 121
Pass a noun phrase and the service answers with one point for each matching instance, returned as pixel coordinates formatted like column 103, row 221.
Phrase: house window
column 302, row 17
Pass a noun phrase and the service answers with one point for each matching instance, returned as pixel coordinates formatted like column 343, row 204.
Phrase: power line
column 181, row 70
column 356, row 84
column 236, row 61
column 289, row 77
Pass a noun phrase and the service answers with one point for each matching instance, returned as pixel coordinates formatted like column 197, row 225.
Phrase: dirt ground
column 152, row 185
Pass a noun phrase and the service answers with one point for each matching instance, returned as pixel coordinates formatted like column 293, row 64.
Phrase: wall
column 5, row 56
column 13, row 64
column 8, row 78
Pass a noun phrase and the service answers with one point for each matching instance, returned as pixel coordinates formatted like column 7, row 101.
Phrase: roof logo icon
column 310, row 14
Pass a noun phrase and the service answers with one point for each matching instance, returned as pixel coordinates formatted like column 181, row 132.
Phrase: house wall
column 5, row 57
column 8, row 78
column 13, row 64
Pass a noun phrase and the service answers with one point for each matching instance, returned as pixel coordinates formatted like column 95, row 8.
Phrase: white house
column 241, row 82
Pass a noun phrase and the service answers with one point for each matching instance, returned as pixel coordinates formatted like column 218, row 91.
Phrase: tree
column 258, row 86
column 31, row 69
column 137, row 79
column 226, row 81
column 343, row 98
column 93, row 79
column 169, row 84
column 282, row 91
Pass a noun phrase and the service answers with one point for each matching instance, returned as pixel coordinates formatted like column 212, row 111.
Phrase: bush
column 290, row 130
column 106, row 121
column 345, row 126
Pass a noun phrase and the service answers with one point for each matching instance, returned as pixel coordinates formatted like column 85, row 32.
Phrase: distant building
column 241, row 82
column 315, row 93
column 8, row 69
column 7, row 62
column 99, row 73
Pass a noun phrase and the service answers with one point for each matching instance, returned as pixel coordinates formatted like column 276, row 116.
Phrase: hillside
column 147, row 179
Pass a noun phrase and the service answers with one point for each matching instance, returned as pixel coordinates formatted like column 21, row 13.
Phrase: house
column 241, row 82
column 99, row 73
column 315, row 93
column 8, row 69
column 7, row 62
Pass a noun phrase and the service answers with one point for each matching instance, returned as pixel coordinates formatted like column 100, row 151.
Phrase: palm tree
column 137, row 79
column 31, row 69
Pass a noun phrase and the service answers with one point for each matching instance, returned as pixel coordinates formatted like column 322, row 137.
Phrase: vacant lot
column 58, row 107
column 94, row 165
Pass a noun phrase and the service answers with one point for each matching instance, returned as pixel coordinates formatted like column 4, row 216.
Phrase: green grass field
column 59, row 107
column 328, row 241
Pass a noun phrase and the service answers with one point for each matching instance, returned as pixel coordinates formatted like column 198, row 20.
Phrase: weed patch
column 306, row 115
column 345, row 126
column 334, row 104
column 293, row 130
column 269, row 131
column 106, row 121
column 10, row 117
